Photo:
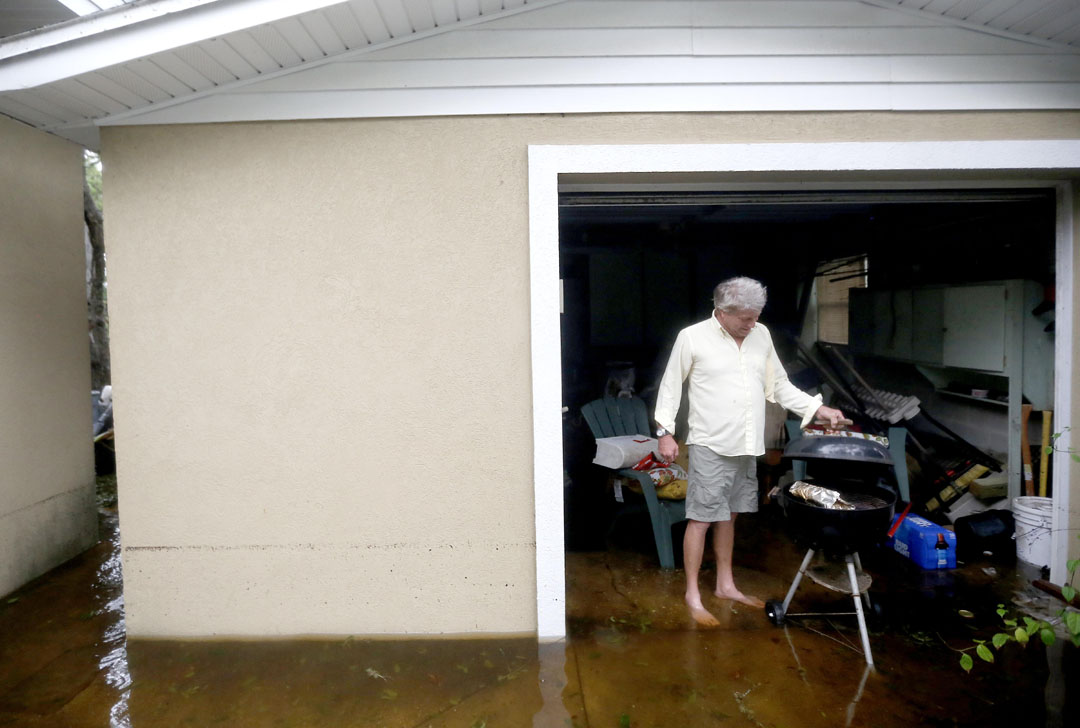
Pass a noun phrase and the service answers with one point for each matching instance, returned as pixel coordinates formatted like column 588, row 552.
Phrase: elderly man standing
column 733, row 369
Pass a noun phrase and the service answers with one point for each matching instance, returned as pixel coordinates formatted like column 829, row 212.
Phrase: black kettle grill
column 862, row 470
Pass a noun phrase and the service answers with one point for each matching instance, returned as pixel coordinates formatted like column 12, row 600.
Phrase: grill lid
column 826, row 447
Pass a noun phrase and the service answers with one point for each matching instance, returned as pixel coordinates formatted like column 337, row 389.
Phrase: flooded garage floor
column 632, row 659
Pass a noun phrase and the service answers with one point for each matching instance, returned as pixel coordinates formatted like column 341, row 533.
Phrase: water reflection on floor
column 632, row 659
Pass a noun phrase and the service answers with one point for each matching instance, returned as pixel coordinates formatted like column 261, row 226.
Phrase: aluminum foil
column 819, row 496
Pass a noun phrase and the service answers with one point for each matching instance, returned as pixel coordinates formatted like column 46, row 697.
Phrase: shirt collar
column 725, row 332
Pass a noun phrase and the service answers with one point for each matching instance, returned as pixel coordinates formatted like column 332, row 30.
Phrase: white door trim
column 1003, row 163
column 1064, row 332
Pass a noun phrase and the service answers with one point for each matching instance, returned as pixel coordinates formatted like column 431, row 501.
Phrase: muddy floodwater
column 632, row 657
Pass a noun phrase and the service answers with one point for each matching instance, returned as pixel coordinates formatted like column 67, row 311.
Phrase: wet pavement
column 633, row 657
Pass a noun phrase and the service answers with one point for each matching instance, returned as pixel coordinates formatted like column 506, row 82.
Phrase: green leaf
column 1047, row 635
column 1068, row 592
column 1021, row 635
column 1049, row 450
column 1072, row 622
column 1010, row 622
column 984, row 652
column 1001, row 638
column 1075, row 457
column 966, row 662
column 1072, row 564
column 624, row 721
column 1000, row 611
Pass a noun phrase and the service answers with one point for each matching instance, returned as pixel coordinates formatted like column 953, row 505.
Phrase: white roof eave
column 129, row 32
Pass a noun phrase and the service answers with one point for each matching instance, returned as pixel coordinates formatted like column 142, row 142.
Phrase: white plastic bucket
column 1034, row 518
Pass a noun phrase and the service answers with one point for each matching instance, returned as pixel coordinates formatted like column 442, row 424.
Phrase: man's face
column 739, row 322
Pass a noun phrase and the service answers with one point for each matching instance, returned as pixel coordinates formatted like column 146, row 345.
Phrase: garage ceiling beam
column 128, row 32
column 624, row 199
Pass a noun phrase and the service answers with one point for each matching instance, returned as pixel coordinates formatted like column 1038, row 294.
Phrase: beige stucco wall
column 47, row 510
column 321, row 356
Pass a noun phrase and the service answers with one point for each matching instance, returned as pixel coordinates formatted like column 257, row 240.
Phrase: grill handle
column 841, row 423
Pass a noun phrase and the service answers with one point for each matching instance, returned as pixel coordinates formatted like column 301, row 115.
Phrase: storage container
column 918, row 539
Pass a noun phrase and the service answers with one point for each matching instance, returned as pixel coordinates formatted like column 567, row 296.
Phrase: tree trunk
column 100, row 367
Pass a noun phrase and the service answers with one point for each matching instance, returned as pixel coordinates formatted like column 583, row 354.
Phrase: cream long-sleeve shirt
column 728, row 388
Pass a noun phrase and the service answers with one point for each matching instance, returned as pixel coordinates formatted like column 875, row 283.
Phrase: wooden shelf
column 984, row 400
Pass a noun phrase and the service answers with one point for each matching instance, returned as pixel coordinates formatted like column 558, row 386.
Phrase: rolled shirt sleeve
column 787, row 395
column 669, row 396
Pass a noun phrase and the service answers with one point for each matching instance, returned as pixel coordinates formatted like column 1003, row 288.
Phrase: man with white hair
column 733, row 369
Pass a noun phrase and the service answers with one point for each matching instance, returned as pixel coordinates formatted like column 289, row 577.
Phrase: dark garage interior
column 637, row 267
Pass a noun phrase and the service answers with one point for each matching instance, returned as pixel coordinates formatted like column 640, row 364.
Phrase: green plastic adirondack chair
column 612, row 417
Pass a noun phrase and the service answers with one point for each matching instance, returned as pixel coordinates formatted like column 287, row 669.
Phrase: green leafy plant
column 1052, row 447
column 1014, row 631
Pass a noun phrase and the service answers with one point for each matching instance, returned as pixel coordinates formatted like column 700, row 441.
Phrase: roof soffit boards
column 239, row 60
column 153, row 52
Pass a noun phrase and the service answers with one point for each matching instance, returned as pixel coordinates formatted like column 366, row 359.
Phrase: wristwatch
column 660, row 432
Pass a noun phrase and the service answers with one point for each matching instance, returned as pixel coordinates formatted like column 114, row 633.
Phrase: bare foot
column 700, row 614
column 737, row 596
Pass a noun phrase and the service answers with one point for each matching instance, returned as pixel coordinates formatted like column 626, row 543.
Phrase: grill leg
column 798, row 578
column 865, row 595
column 858, row 609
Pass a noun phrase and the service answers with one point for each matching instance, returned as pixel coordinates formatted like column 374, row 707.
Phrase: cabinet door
column 861, row 320
column 892, row 324
column 666, row 281
column 615, row 299
column 928, row 325
column 879, row 323
column 975, row 328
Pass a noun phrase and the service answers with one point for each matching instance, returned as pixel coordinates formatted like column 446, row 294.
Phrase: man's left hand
column 833, row 416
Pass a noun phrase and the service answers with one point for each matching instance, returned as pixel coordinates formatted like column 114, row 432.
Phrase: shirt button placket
column 747, row 414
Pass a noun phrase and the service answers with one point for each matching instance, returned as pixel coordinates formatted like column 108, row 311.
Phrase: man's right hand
column 669, row 449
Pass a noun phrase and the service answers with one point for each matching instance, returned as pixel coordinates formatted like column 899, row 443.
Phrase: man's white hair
column 739, row 293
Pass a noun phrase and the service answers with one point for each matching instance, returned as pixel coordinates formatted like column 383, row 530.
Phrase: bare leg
column 724, row 544
column 693, row 551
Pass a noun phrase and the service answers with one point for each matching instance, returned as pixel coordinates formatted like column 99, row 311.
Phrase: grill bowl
column 840, row 532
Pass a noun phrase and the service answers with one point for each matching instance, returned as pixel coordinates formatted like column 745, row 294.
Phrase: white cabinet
column 974, row 328
column 928, row 328
column 985, row 327
column 964, row 327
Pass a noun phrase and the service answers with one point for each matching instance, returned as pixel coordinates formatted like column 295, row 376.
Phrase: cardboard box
column 991, row 485
column 918, row 538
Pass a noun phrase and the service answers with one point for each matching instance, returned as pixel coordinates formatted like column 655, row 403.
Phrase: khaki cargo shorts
column 720, row 485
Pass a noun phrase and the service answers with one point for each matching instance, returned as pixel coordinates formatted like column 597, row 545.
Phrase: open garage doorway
column 636, row 267
column 918, row 214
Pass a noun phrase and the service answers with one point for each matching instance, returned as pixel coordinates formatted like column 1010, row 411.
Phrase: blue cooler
column 920, row 540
